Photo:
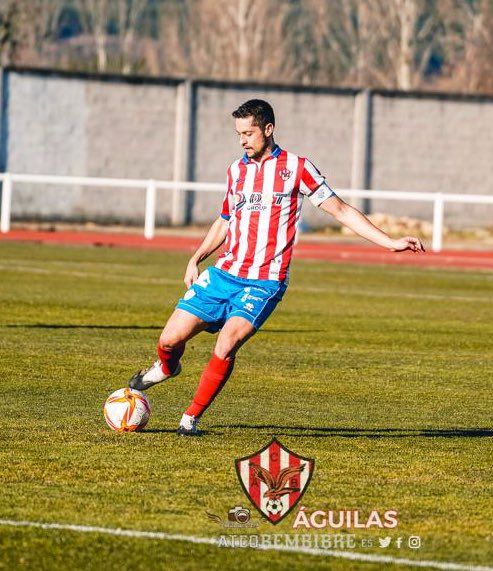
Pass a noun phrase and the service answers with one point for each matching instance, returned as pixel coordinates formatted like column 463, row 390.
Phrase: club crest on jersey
column 285, row 174
column 274, row 479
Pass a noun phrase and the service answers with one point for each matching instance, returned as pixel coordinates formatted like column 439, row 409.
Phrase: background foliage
column 404, row 44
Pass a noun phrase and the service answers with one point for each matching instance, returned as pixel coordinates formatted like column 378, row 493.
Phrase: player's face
column 253, row 139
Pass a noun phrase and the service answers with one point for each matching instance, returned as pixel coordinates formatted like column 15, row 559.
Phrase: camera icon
column 239, row 514
column 414, row 542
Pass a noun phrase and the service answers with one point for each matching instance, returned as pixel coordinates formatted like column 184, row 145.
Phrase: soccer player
column 259, row 221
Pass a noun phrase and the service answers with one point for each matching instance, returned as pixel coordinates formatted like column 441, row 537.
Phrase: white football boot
column 188, row 426
column 147, row 378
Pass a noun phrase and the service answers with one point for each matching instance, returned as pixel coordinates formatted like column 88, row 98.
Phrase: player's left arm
column 361, row 225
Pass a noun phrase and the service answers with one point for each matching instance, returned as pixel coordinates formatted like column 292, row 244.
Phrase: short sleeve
column 228, row 198
column 313, row 184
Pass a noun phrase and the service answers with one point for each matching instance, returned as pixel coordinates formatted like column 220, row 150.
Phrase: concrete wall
column 78, row 126
column 433, row 144
column 74, row 124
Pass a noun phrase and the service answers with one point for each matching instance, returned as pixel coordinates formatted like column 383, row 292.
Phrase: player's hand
column 407, row 243
column 191, row 274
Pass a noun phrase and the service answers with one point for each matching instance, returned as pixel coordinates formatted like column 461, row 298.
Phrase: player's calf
column 213, row 378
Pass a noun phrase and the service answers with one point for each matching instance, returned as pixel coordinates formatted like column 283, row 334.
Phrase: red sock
column 169, row 358
column 213, row 379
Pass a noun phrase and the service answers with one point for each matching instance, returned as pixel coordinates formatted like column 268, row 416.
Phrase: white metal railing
column 151, row 186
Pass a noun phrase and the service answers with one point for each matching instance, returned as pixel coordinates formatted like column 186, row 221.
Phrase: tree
column 360, row 43
column 235, row 39
column 468, row 43
column 129, row 14
column 96, row 17
column 384, row 43
column 9, row 31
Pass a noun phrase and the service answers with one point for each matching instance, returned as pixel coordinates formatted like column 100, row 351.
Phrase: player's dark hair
column 260, row 110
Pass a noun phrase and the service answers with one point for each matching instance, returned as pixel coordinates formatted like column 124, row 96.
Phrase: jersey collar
column 276, row 151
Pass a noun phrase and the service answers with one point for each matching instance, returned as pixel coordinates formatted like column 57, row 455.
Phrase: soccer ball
column 274, row 506
column 127, row 410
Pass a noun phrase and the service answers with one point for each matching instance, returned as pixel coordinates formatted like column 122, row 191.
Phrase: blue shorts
column 217, row 295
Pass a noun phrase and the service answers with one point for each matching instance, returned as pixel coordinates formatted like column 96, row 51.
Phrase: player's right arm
column 214, row 238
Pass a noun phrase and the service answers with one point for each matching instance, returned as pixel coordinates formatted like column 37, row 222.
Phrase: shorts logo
column 248, row 295
column 274, row 479
column 285, row 174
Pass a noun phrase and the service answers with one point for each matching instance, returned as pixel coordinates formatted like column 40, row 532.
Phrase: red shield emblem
column 285, row 174
column 274, row 479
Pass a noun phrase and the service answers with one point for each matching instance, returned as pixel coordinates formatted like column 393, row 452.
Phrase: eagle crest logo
column 274, row 479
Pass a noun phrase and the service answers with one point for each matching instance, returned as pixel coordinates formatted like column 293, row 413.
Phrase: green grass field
column 382, row 374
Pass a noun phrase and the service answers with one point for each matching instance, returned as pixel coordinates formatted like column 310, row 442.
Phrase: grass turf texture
column 383, row 375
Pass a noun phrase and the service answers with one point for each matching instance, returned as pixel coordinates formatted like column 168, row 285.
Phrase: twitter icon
column 384, row 541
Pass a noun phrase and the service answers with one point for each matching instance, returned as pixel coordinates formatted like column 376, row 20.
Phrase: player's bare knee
column 227, row 346
column 224, row 354
column 168, row 342
column 224, row 350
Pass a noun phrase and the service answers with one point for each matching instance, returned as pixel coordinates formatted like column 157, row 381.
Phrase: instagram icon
column 414, row 542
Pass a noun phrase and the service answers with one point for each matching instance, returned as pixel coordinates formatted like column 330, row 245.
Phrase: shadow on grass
column 323, row 432
column 157, row 430
column 173, row 431
column 94, row 326
column 292, row 331
column 74, row 326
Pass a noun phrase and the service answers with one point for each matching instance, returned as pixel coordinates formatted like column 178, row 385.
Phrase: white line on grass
column 383, row 294
column 354, row 556
column 79, row 274
column 313, row 289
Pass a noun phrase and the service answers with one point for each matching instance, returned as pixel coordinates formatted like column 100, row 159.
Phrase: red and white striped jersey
column 263, row 205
